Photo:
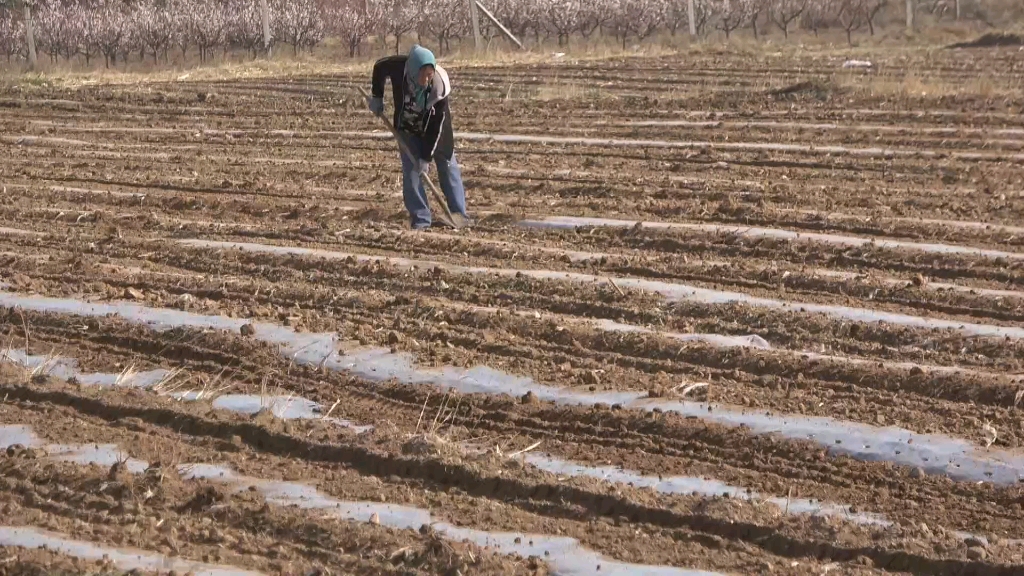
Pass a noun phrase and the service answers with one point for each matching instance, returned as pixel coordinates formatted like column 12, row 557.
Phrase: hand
column 424, row 166
column 376, row 105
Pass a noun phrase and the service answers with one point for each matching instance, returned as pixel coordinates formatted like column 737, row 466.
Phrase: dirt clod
column 973, row 542
column 977, row 554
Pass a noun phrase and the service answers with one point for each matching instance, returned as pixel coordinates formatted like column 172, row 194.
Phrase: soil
column 105, row 182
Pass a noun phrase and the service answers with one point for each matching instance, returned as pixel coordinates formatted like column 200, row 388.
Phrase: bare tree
column 244, row 27
column 519, row 17
column 755, row 8
column 733, row 15
column 639, row 18
column 354, row 20
column 400, row 19
column 12, row 34
column 144, row 22
column 209, row 28
column 300, row 23
column 782, row 13
column 562, row 17
column 443, row 20
column 851, row 16
column 112, row 28
column 872, row 8
column 819, row 14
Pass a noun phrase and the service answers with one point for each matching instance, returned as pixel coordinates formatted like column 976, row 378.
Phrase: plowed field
column 701, row 325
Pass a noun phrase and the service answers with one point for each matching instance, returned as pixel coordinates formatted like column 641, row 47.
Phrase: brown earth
column 108, row 179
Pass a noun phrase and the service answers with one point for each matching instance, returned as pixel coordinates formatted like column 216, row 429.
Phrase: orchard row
column 118, row 30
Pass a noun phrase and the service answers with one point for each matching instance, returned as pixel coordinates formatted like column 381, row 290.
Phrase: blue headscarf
column 418, row 58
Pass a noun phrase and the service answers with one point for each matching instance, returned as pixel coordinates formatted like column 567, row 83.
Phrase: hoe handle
column 408, row 154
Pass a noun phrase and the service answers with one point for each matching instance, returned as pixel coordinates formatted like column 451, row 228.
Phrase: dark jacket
column 433, row 125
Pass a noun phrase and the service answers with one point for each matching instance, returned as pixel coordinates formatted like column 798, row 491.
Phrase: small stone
column 393, row 338
column 134, row 294
column 591, row 378
column 917, row 473
column 920, row 281
column 374, row 518
column 880, row 419
column 853, row 509
column 529, row 398
column 977, row 554
column 916, row 371
column 247, row 329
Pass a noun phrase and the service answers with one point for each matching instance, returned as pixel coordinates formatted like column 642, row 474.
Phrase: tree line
column 119, row 30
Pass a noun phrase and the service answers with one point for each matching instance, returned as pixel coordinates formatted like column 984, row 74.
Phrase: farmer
column 424, row 120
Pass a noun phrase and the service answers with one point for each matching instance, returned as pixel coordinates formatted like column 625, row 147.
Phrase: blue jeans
column 414, row 190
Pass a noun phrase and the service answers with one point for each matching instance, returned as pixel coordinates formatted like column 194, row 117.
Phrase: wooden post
column 501, row 27
column 692, row 16
column 265, row 15
column 957, row 10
column 30, row 39
column 910, row 14
column 475, row 18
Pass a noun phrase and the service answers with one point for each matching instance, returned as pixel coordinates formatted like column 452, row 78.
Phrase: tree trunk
column 691, row 15
column 474, row 17
column 30, row 40
column 265, row 17
column 910, row 14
